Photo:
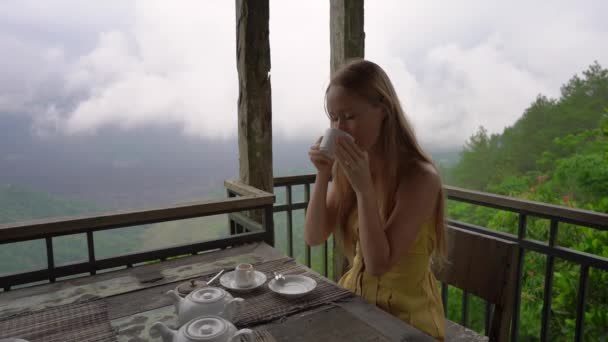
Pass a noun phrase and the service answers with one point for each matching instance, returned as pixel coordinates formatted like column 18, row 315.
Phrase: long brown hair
column 399, row 145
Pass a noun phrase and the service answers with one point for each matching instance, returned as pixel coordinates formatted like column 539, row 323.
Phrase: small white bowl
column 294, row 286
column 227, row 281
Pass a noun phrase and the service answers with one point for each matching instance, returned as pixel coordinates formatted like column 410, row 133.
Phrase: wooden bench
column 484, row 266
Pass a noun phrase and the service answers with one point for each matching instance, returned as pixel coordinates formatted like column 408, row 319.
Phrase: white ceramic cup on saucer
column 244, row 275
column 328, row 142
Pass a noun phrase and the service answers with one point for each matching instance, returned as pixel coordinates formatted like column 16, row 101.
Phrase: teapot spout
column 176, row 298
column 243, row 335
column 232, row 307
column 166, row 334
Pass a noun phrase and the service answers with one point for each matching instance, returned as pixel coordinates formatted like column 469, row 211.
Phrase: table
column 135, row 300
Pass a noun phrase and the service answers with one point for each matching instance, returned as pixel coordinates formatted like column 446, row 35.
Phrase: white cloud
column 175, row 64
column 28, row 73
column 299, row 44
column 463, row 64
column 455, row 65
column 460, row 89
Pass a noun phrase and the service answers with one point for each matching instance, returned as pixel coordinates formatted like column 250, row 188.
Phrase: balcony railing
column 248, row 198
column 524, row 209
column 242, row 197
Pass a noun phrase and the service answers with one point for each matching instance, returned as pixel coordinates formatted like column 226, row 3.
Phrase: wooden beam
column 255, row 110
column 347, row 31
column 244, row 189
column 347, row 42
column 31, row 230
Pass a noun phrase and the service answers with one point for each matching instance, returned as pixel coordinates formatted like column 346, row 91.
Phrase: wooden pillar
column 255, row 110
column 346, row 30
column 347, row 41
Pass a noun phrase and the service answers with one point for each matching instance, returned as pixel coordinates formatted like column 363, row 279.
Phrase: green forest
column 557, row 152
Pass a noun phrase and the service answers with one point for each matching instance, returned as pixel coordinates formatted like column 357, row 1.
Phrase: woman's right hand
column 322, row 162
column 321, row 211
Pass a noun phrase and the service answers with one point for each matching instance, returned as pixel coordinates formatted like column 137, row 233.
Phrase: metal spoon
column 280, row 278
column 215, row 277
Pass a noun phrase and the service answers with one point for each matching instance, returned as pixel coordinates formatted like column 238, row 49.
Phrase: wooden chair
column 486, row 267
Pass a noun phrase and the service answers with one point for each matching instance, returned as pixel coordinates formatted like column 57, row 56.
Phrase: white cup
column 244, row 275
column 328, row 143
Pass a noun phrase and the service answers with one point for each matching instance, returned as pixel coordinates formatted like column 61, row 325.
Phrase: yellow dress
column 408, row 290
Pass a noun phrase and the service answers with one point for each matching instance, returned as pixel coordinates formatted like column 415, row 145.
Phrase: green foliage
column 529, row 145
column 557, row 152
column 477, row 157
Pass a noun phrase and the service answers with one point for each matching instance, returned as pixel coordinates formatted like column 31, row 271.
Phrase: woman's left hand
column 355, row 163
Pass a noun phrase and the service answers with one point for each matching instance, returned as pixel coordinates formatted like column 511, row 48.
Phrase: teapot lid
column 207, row 295
column 185, row 288
column 206, row 328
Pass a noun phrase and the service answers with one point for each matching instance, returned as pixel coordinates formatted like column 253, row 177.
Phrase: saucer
column 294, row 286
column 227, row 281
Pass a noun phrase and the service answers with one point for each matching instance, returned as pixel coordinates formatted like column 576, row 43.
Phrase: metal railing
column 248, row 198
column 288, row 183
column 524, row 209
column 240, row 223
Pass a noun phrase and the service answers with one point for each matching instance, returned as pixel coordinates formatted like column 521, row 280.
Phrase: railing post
column 521, row 235
column 231, row 223
column 289, row 222
column 306, row 246
column 91, row 248
column 325, row 256
column 580, row 303
column 269, row 224
column 50, row 258
column 465, row 309
column 546, row 317
column 444, row 297
column 488, row 318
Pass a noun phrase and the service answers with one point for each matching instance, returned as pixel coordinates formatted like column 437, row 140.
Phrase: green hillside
column 22, row 204
column 19, row 204
column 557, row 152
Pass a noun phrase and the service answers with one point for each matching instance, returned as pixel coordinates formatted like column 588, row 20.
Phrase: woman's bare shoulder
column 420, row 174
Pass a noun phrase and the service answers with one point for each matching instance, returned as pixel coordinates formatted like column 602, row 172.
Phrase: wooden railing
column 524, row 209
column 242, row 197
column 245, row 198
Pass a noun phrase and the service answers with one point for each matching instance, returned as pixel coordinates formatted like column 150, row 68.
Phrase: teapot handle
column 243, row 335
column 232, row 307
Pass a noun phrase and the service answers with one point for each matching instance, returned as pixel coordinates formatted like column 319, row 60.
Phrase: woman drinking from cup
column 385, row 205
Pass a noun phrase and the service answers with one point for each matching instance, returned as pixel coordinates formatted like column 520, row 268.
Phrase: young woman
column 385, row 202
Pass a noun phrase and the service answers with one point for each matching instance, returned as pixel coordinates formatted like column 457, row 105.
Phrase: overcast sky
column 74, row 66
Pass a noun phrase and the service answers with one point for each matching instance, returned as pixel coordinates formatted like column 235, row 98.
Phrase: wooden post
column 255, row 110
column 346, row 30
column 347, row 42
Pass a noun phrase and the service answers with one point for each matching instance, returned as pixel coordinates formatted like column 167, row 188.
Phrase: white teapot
column 205, row 328
column 205, row 301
